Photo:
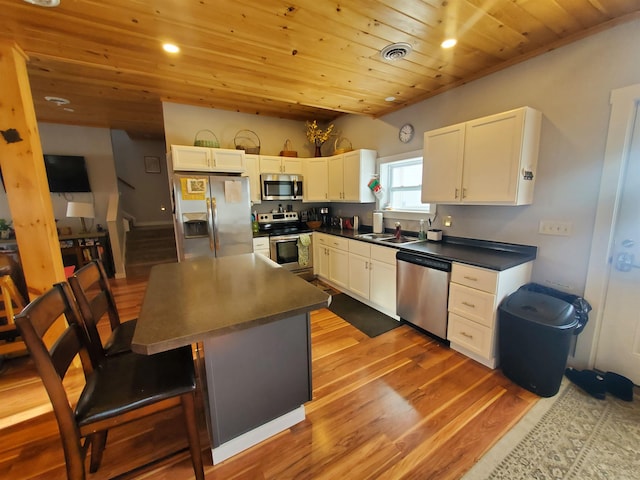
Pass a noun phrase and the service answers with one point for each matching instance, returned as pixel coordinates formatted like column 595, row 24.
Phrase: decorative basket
column 287, row 152
column 339, row 147
column 211, row 143
column 248, row 141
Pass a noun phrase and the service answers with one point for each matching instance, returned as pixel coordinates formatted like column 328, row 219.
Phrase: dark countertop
column 479, row 253
column 188, row 301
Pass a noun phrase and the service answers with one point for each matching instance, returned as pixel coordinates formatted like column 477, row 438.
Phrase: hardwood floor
column 396, row 406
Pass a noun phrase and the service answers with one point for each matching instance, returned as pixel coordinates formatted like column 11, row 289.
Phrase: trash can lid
column 540, row 308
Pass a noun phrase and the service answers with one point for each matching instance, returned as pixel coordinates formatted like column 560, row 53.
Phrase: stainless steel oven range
column 290, row 242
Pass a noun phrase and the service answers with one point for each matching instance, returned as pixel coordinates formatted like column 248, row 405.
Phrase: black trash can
column 534, row 336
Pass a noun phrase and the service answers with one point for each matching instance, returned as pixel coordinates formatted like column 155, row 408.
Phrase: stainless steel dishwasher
column 423, row 292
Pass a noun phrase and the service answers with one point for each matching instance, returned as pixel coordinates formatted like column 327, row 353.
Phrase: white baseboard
column 257, row 435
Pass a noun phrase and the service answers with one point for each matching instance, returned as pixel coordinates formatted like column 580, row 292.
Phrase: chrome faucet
column 398, row 233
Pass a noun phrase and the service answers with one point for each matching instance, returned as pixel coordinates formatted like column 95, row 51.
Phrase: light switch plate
column 555, row 227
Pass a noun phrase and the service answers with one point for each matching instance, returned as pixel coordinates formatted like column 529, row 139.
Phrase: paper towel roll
column 377, row 222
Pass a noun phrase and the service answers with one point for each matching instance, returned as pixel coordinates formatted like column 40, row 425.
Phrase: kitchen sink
column 387, row 238
column 400, row 241
column 374, row 236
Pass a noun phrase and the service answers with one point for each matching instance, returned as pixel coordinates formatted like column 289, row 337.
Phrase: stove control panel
column 284, row 217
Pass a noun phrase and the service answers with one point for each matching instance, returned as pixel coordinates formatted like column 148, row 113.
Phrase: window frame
column 381, row 203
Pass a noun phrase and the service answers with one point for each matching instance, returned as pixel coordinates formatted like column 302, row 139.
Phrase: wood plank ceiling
column 296, row 59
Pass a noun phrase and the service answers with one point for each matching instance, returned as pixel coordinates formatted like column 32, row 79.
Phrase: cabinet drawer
column 470, row 335
column 475, row 277
column 261, row 243
column 321, row 239
column 383, row 254
column 339, row 243
column 360, row 248
column 473, row 304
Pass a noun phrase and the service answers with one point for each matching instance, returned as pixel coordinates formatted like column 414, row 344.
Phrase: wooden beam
column 25, row 178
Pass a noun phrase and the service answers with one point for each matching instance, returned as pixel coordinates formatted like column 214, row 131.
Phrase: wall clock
column 406, row 133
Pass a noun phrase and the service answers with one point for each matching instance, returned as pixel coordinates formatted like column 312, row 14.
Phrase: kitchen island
column 252, row 318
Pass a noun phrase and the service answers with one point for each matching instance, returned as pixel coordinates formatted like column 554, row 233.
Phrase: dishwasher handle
column 424, row 261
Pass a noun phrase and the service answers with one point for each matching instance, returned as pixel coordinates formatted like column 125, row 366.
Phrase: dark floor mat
column 366, row 319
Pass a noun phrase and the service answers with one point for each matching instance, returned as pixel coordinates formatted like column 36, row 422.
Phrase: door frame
column 624, row 102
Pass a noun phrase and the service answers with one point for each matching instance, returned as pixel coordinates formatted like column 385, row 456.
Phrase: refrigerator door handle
column 211, row 223
column 214, row 222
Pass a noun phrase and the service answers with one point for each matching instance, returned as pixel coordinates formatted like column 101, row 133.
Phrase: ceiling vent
column 396, row 51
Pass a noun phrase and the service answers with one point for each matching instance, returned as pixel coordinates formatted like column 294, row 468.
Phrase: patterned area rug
column 575, row 437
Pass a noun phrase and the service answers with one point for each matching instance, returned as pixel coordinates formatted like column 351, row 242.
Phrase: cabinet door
column 336, row 177
column 492, row 158
column 316, row 180
column 339, row 267
column 351, row 175
column 190, row 158
column 320, row 255
column 442, row 164
column 227, row 160
column 292, row 165
column 270, row 164
column 253, row 172
column 359, row 275
column 383, row 285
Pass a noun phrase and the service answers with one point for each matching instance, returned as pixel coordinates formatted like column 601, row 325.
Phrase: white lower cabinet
column 474, row 296
column 261, row 246
column 331, row 259
column 362, row 270
column 382, row 286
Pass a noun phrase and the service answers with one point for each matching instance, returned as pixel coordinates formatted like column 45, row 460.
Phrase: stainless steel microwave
column 276, row 186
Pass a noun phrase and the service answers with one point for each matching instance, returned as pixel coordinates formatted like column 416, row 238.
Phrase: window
column 401, row 179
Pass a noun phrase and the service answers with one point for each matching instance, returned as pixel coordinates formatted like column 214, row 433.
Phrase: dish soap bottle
column 422, row 235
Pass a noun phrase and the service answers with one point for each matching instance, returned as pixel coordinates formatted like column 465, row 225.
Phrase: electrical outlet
column 555, row 227
column 447, row 221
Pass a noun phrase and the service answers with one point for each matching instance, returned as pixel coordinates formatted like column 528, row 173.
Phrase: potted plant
column 5, row 229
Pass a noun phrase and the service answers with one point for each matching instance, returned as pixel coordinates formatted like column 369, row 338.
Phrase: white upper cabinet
column 273, row 164
column 487, row 161
column 349, row 173
column 442, row 164
column 253, row 172
column 315, row 176
column 203, row 159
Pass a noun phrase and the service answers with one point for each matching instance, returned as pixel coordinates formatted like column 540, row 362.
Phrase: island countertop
column 189, row 301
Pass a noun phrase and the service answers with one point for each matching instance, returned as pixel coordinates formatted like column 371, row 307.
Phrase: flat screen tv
column 66, row 173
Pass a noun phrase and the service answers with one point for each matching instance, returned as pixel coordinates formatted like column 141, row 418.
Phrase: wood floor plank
column 399, row 405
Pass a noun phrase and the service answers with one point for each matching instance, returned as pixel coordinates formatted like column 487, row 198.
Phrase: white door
column 619, row 343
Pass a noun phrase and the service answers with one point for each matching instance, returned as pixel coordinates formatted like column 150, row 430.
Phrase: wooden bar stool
column 93, row 293
column 118, row 389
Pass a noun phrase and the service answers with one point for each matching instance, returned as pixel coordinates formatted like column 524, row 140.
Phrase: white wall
column 95, row 145
column 148, row 201
column 182, row 123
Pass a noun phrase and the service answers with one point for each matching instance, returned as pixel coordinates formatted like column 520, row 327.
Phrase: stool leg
column 189, row 408
column 98, row 442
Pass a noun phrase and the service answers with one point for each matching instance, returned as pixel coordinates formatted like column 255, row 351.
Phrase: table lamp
column 82, row 210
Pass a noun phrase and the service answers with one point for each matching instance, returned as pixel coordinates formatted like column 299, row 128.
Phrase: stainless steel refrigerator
column 212, row 215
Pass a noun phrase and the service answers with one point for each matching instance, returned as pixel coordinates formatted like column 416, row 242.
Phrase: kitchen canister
column 434, row 234
column 377, row 222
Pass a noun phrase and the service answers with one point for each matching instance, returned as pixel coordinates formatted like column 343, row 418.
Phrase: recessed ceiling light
column 389, row 99
column 44, row 3
column 449, row 43
column 58, row 100
column 170, row 48
column 396, row 51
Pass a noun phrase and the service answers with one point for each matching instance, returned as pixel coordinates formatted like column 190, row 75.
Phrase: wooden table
column 252, row 317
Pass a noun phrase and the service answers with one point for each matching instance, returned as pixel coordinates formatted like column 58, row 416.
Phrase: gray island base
column 253, row 319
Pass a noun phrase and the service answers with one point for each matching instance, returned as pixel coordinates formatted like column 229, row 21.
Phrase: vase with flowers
column 317, row 136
